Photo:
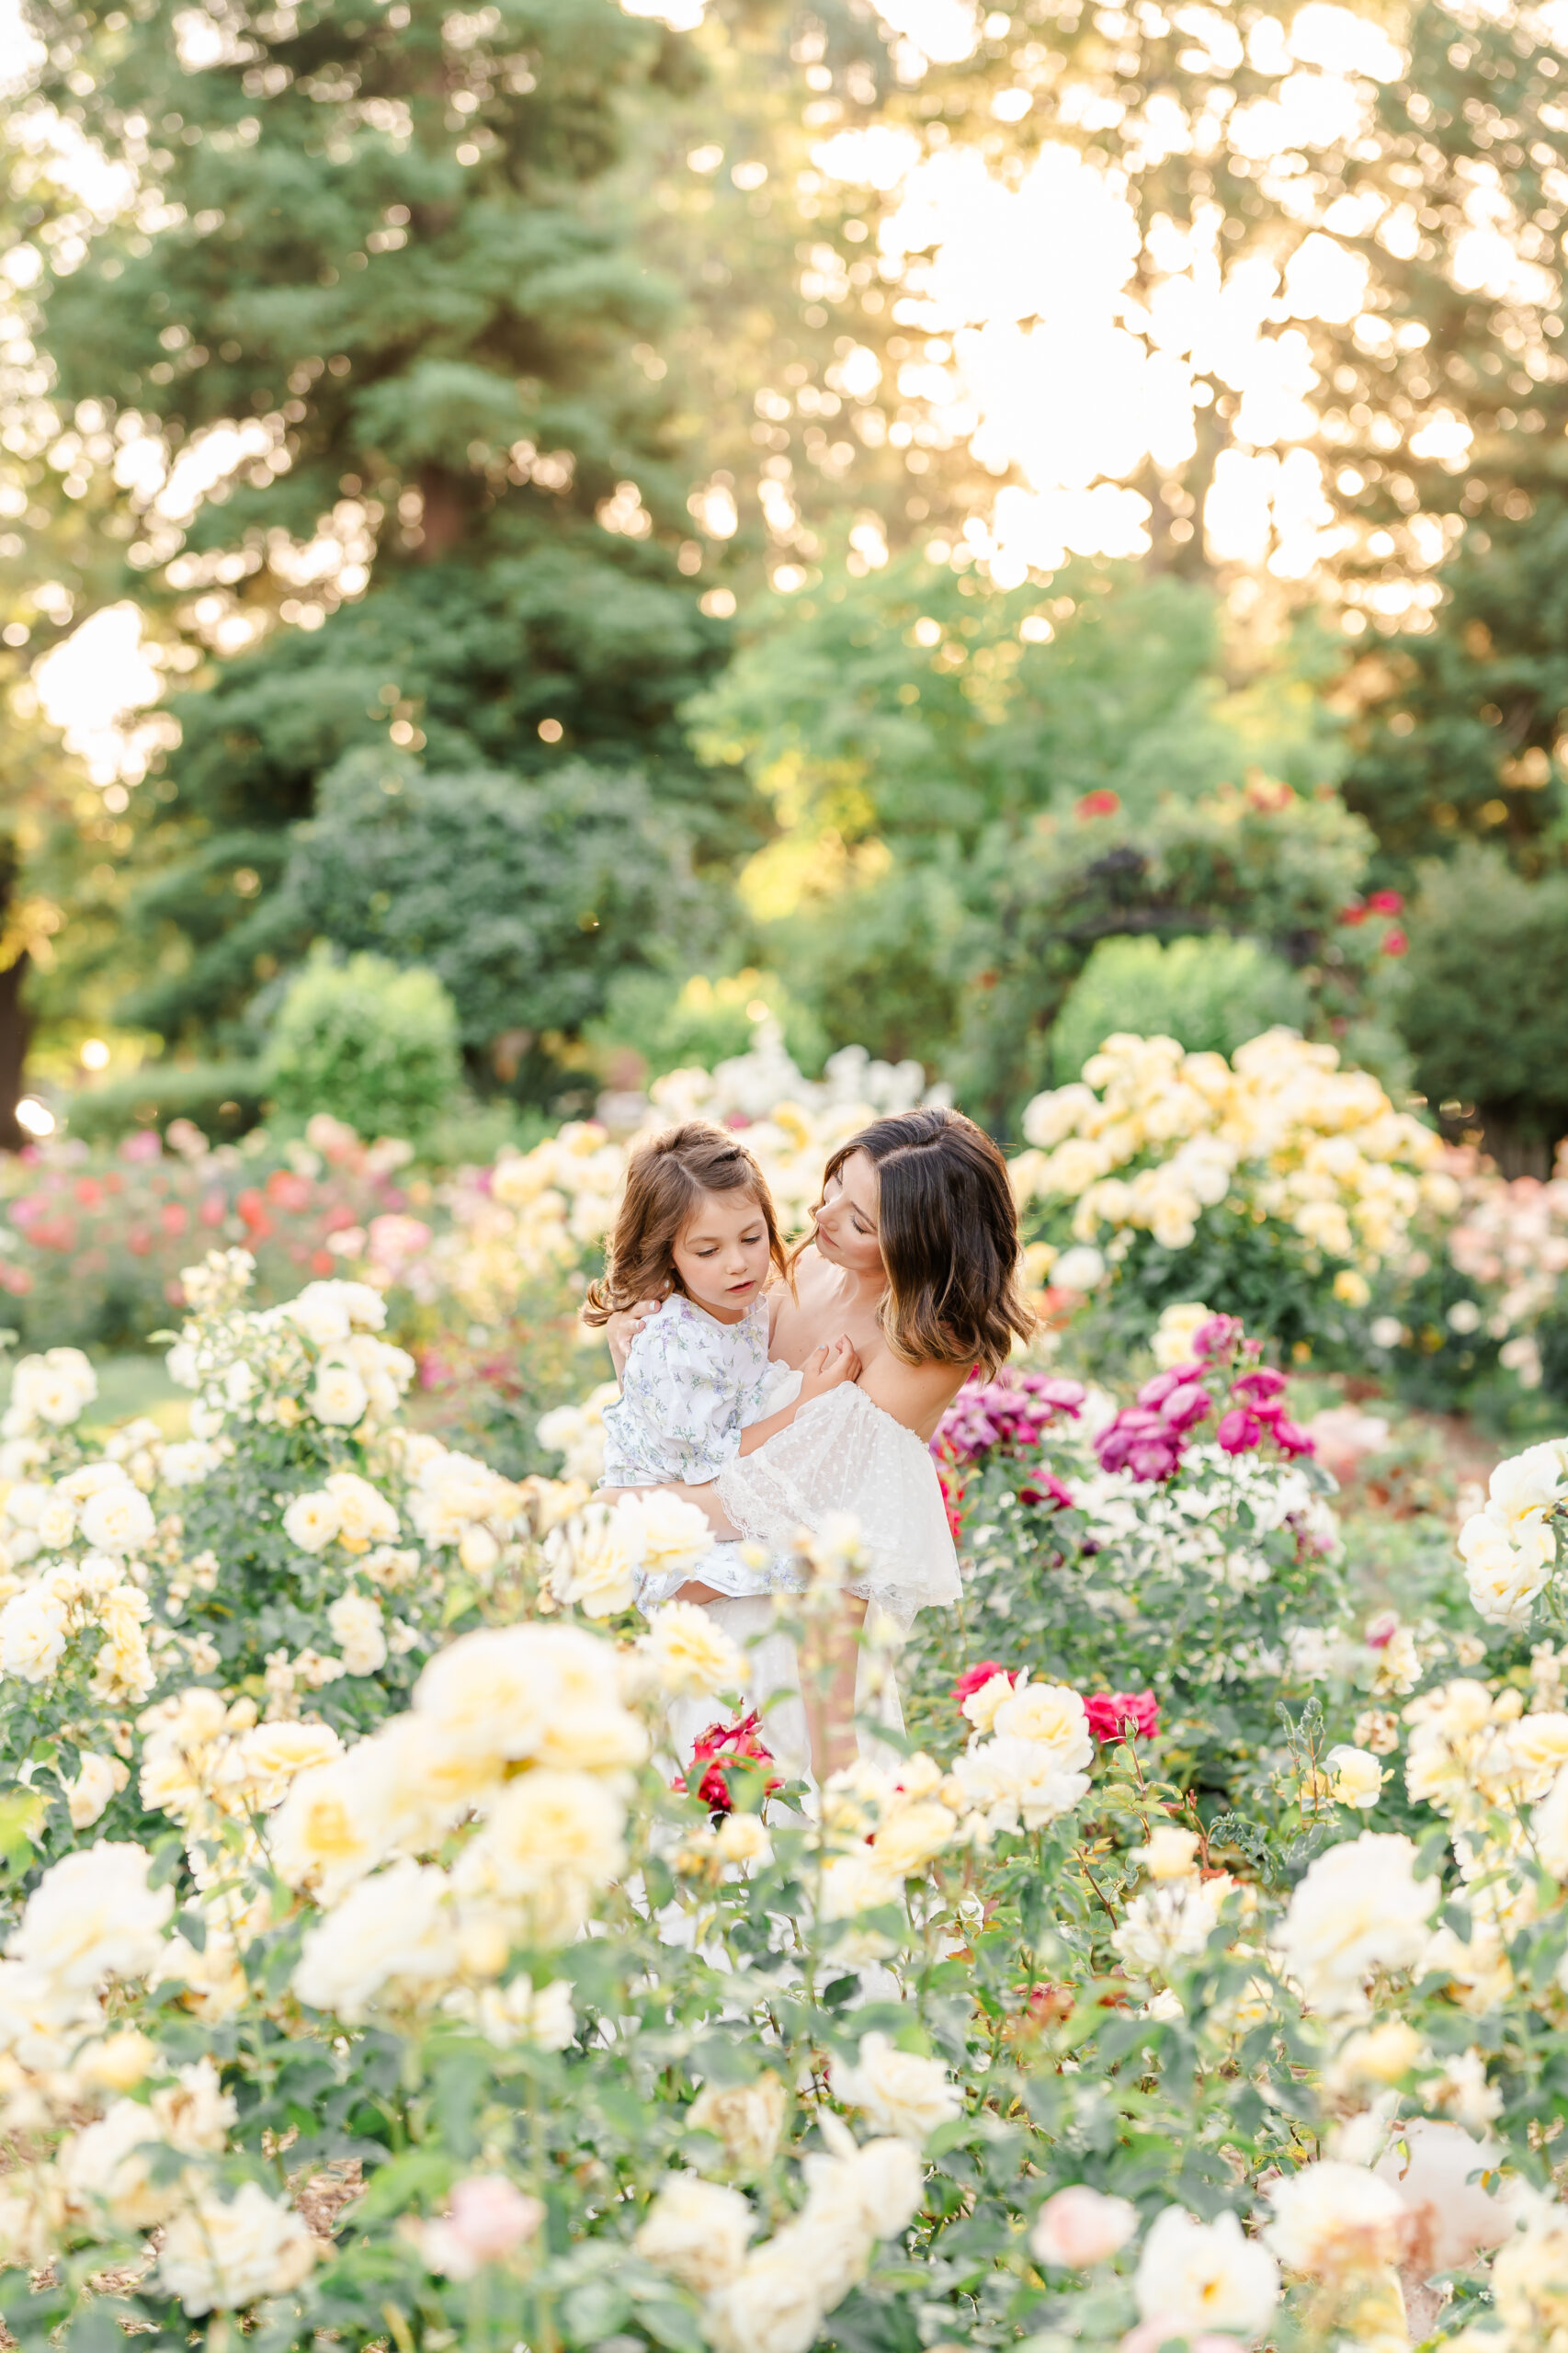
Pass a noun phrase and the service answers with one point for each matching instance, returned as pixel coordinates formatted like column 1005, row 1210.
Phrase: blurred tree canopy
column 1484, row 1003
column 524, row 899
column 1458, row 725
column 972, row 787
column 1396, row 221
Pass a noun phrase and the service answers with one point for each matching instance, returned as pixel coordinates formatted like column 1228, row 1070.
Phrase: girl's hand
column 624, row 1328
column 827, row 1366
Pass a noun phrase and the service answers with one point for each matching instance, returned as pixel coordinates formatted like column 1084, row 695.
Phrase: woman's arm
column 624, row 1328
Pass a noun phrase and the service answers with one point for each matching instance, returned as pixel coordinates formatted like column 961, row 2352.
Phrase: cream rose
column 697, row 2231
column 898, row 2091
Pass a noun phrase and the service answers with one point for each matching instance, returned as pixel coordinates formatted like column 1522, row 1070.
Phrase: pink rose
column 489, row 2218
column 1080, row 2227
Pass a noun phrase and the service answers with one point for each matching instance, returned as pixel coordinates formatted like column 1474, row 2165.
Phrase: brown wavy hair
column 665, row 1180
column 949, row 1232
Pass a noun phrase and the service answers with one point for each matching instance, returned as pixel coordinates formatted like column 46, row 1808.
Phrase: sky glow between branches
column 1072, row 361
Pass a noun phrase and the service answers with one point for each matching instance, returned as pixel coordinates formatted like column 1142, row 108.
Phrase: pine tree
column 363, row 348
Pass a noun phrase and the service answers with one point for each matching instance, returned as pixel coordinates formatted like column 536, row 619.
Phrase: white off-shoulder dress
column 691, row 1386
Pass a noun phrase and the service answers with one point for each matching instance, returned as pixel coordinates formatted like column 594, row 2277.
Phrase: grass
column 133, row 1384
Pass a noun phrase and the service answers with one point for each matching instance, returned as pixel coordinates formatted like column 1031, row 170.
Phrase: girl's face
column 846, row 1222
column 721, row 1254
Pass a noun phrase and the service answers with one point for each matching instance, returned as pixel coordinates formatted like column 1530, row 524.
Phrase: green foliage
column 913, row 729
column 1484, row 1001
column 670, row 1024
column 223, row 1099
column 1457, row 737
column 375, row 1047
column 526, row 899
column 1273, row 866
column 431, row 310
column 1209, row 994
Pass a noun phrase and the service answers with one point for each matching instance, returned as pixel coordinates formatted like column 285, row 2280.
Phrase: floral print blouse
column 691, row 1386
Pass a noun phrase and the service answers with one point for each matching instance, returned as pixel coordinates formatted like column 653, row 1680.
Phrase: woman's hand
column 827, row 1366
column 624, row 1328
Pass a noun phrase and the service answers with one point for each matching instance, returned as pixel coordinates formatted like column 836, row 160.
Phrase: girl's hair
column 666, row 1179
column 949, row 1233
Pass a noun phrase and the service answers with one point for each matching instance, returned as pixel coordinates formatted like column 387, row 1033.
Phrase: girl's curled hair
column 665, row 1181
column 949, row 1233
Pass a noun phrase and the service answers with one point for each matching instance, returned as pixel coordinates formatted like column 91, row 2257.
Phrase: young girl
column 696, row 1231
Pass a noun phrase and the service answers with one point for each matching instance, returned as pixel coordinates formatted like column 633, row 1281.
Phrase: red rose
column 1109, row 1712
column 973, row 1676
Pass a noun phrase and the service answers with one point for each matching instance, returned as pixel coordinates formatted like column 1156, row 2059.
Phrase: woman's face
column 846, row 1222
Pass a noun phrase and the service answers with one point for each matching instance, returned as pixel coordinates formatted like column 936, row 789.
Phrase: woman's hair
column 949, row 1233
column 666, row 1179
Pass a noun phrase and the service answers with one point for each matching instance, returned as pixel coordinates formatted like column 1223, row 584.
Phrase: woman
column 914, row 1262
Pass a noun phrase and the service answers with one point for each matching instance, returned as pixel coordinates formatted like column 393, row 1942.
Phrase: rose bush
column 1193, row 1974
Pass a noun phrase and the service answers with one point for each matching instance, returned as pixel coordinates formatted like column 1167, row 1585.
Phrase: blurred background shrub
column 375, row 1046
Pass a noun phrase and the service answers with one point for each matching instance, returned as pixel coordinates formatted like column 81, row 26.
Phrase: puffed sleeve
column 685, row 1396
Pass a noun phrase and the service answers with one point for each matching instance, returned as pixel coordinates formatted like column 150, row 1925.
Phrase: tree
column 1456, row 728
column 1387, row 206
column 922, row 739
column 525, row 900
column 1497, row 1052
column 369, row 382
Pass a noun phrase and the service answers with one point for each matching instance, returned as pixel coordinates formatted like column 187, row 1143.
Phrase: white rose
column 898, row 2091
column 112, row 2164
column 746, row 2118
column 93, row 1915
column 186, row 1462
column 57, row 1523
column 340, row 1397
column 394, row 1929
column 1333, row 2219
column 1009, row 1781
column 98, row 1779
column 117, row 1519
column 692, row 1654
column 544, row 1827
column 1360, row 1908
column 34, row 1631
column 360, row 1631
column 1052, row 1716
column 878, row 2186
column 1205, row 2276
column 697, row 2231
column 220, row 2257
column 1356, row 1777
column 321, row 1313
column 1171, row 1853
column 980, row 1708
column 671, row 1534
column 506, row 2015
column 312, row 1521
column 911, row 1837
column 595, row 1560
column 1549, row 1823
column 331, row 1828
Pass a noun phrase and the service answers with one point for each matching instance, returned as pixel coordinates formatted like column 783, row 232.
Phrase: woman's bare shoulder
column 916, row 1395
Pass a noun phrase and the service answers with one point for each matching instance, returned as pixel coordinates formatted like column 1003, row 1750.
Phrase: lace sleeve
column 843, row 1455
